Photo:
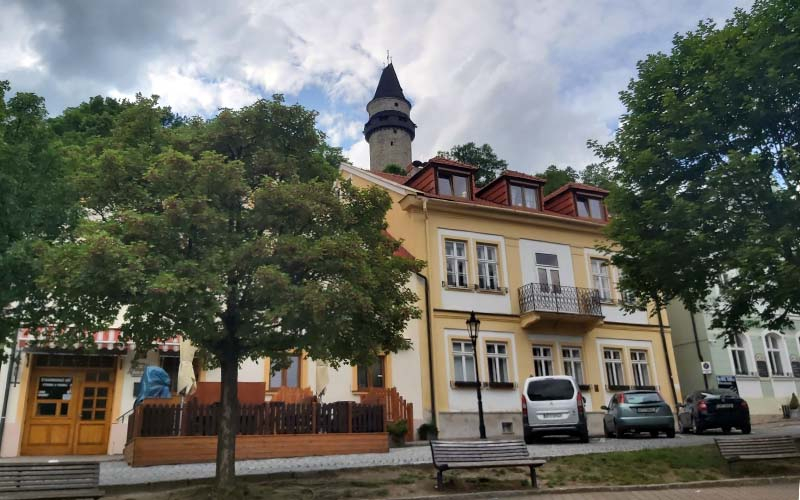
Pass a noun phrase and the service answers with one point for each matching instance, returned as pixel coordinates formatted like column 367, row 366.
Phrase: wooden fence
column 394, row 405
column 154, row 420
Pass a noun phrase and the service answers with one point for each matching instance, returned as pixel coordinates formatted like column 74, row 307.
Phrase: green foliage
column 600, row 175
column 794, row 404
column 557, row 177
column 36, row 201
column 709, row 170
column 427, row 431
column 483, row 157
column 398, row 428
column 394, row 168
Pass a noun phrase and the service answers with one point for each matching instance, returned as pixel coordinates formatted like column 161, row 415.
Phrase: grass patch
column 683, row 464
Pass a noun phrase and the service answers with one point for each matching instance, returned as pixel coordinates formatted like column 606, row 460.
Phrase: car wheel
column 607, row 432
column 726, row 430
column 618, row 433
column 696, row 427
column 746, row 429
column 584, row 435
column 671, row 433
column 653, row 434
column 682, row 428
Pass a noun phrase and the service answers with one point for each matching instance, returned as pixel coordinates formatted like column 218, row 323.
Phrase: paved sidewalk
column 783, row 491
column 118, row 473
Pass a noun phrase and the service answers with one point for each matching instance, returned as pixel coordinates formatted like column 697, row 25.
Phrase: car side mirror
column 604, row 407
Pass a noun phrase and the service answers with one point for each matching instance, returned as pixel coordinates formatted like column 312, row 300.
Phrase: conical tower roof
column 389, row 85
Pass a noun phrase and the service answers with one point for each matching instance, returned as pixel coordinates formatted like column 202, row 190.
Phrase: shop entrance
column 68, row 410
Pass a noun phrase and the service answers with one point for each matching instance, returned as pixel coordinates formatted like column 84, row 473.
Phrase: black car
column 714, row 409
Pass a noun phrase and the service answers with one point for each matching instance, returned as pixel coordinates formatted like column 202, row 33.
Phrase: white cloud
column 533, row 79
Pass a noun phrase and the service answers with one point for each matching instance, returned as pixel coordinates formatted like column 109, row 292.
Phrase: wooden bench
column 50, row 480
column 758, row 448
column 481, row 454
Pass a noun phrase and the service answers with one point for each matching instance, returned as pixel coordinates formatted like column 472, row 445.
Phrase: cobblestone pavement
column 783, row 491
column 117, row 472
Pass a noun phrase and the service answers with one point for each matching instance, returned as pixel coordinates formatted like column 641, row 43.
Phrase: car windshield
column 550, row 390
column 636, row 398
column 718, row 393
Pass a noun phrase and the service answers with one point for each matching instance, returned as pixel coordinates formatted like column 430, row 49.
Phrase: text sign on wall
column 54, row 388
column 796, row 369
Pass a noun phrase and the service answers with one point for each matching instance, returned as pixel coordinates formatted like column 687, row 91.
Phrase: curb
column 748, row 481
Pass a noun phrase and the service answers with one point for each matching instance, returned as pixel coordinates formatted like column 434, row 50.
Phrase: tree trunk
column 228, row 425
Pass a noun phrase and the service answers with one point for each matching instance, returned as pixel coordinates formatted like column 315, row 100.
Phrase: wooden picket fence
column 394, row 405
column 152, row 420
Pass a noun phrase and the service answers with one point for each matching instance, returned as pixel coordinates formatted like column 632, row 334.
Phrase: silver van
column 553, row 406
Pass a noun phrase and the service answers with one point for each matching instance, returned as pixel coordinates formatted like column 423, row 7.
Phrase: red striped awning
column 105, row 340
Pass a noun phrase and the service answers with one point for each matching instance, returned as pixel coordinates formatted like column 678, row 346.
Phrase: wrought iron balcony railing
column 537, row 297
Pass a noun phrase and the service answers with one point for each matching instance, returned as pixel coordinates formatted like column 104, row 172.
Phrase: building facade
column 762, row 366
column 547, row 300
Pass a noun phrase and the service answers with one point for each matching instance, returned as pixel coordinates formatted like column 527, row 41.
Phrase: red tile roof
column 441, row 160
column 400, row 179
column 578, row 187
column 513, row 174
column 401, row 250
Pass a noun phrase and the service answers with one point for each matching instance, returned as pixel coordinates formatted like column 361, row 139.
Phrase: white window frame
column 542, row 362
column 616, row 375
column 551, row 273
column 601, row 278
column 488, row 268
column 739, row 355
column 467, row 355
column 641, row 367
column 460, row 264
column 776, row 353
column 497, row 361
column 573, row 365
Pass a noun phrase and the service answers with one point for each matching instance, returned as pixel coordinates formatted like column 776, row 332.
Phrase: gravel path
column 117, row 472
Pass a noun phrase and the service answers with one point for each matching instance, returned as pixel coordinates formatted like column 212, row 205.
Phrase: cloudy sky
column 533, row 78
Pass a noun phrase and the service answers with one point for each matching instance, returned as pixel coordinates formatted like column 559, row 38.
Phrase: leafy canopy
column 235, row 232
column 36, row 202
column 557, row 177
column 483, row 157
column 709, row 172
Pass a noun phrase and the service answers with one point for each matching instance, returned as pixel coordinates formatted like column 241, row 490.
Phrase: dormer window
column 453, row 185
column 524, row 196
column 590, row 207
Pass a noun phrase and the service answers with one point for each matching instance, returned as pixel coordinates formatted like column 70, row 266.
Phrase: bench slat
column 85, row 493
column 759, row 448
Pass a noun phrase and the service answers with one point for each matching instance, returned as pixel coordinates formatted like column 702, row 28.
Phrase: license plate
column 725, row 405
column 551, row 416
column 647, row 410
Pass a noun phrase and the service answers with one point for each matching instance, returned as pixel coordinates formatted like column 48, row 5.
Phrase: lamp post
column 474, row 325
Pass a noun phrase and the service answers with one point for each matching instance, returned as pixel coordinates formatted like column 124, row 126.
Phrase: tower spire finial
column 388, row 58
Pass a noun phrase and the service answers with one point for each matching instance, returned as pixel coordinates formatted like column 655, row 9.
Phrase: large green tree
column 235, row 232
column 709, row 173
column 483, row 157
column 557, row 177
column 36, row 202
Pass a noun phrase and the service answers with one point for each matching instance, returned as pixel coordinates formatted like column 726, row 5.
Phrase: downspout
column 11, row 360
column 666, row 352
column 428, row 316
column 697, row 346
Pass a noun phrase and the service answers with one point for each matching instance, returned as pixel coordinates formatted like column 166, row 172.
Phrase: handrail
column 542, row 297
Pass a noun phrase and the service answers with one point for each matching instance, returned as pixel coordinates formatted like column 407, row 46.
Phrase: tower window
column 394, row 130
column 391, row 143
column 396, row 105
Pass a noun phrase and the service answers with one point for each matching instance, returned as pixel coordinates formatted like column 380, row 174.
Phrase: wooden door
column 93, row 416
column 69, row 409
column 49, row 426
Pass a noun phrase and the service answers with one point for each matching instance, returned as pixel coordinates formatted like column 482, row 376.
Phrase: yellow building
column 527, row 265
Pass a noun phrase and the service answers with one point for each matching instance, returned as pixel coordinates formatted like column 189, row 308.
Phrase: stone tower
column 389, row 130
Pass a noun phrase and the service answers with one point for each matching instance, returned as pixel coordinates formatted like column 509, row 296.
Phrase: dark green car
column 638, row 411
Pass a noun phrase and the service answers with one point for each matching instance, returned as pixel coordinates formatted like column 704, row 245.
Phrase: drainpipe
column 697, row 346
column 430, row 346
column 11, row 360
column 666, row 352
column 428, row 316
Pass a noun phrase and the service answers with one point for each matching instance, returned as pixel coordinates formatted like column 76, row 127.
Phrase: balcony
column 539, row 302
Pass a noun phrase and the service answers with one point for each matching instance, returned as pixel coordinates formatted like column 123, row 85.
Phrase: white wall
column 249, row 371
column 527, row 255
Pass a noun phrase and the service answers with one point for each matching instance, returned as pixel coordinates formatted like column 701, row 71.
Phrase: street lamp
column 474, row 325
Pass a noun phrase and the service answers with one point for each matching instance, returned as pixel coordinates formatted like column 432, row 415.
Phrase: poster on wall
column 55, row 388
column 727, row 382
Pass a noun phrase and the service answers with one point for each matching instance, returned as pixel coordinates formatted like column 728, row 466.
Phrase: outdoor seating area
column 169, row 434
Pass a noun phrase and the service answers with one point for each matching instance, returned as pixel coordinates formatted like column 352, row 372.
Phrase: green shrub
column 397, row 429
column 394, row 168
column 427, row 431
column 794, row 403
